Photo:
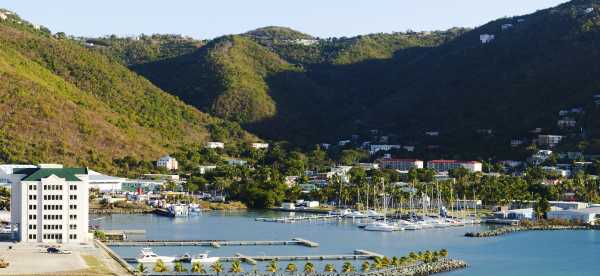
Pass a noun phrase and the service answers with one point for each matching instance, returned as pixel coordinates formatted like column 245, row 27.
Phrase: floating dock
column 298, row 218
column 213, row 243
column 359, row 254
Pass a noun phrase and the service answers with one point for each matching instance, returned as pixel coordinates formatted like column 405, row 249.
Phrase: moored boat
column 204, row 259
column 148, row 256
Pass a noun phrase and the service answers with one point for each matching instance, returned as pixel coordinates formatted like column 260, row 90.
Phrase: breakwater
column 512, row 229
column 442, row 265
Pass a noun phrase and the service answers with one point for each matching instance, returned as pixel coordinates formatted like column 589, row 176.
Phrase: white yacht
column 356, row 214
column 148, row 256
column 382, row 226
column 204, row 259
column 340, row 212
column 178, row 210
column 373, row 214
column 408, row 225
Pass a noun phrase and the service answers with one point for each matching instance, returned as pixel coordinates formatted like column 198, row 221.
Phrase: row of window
column 73, row 236
column 72, row 216
column 32, row 226
column 52, row 236
column 72, row 207
column 73, row 187
column 32, row 217
column 32, row 187
column 52, row 197
column 52, row 187
column 32, row 197
column 73, row 197
column 32, row 236
column 53, row 217
column 52, row 226
column 53, row 207
column 32, row 207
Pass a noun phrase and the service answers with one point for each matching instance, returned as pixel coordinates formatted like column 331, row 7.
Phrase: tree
column 542, row 206
column 179, row 267
column 329, row 268
column 291, row 268
column 348, row 267
column 198, row 268
column 444, row 253
column 396, row 261
column 309, row 268
column 272, row 267
column 236, row 267
column 160, row 266
column 378, row 263
column 365, row 267
column 141, row 269
column 217, row 267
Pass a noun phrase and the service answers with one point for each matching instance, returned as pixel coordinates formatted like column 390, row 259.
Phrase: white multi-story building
column 400, row 164
column 49, row 204
column 105, row 183
column 446, row 165
column 215, row 145
column 168, row 162
column 260, row 145
column 549, row 140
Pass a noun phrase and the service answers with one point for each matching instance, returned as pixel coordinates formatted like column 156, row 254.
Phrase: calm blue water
column 527, row 253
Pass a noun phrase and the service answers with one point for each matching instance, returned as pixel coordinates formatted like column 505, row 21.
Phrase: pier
column 299, row 218
column 359, row 254
column 212, row 243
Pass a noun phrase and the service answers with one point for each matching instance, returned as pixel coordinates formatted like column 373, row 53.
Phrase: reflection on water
column 527, row 253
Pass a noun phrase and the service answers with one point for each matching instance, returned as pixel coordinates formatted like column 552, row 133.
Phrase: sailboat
column 383, row 226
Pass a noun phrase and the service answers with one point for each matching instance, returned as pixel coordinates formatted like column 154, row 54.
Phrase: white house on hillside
column 49, row 204
column 167, row 162
column 215, row 145
column 260, row 145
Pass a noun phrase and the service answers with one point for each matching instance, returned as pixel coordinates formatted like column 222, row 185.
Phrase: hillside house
column 516, row 142
column 400, row 164
column 549, row 140
column 563, row 113
column 375, row 148
column 432, row 133
column 167, row 162
column 3, row 16
column 486, row 38
column 409, row 148
column 343, row 142
column 215, row 145
column 446, row 165
column 506, row 26
column 566, row 123
column 203, row 169
column 260, row 145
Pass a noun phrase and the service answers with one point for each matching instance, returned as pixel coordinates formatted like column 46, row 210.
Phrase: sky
column 205, row 19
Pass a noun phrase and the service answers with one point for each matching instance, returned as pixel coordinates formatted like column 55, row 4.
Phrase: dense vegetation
column 64, row 103
column 283, row 84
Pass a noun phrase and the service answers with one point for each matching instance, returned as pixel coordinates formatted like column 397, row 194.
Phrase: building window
column 32, row 227
column 73, row 187
column 73, row 207
column 73, row 226
column 32, row 207
column 73, row 197
column 73, row 236
column 32, row 197
column 32, row 217
column 73, row 216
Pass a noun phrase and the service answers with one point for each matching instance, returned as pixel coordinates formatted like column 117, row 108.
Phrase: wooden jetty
column 298, row 218
column 213, row 243
column 359, row 254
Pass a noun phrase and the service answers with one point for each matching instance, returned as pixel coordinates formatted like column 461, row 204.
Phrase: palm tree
column 329, row 268
column 198, row 268
column 365, row 266
column 378, row 263
column 272, row 267
column 179, row 267
column 291, row 268
column 141, row 269
column 413, row 256
column 309, row 268
column 444, row 253
column 396, row 262
column 160, row 266
column 217, row 267
column 236, row 267
column 386, row 261
column 404, row 260
column 348, row 267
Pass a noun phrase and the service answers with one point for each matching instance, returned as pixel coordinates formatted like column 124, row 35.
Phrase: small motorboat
column 355, row 214
column 148, row 256
column 204, row 259
column 186, row 258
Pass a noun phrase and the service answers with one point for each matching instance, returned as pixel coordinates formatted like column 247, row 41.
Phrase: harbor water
column 524, row 253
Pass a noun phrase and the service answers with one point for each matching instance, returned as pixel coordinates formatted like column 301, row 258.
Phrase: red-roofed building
column 400, row 164
column 446, row 165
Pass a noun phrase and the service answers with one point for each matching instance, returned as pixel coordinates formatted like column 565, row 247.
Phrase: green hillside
column 284, row 84
column 64, row 103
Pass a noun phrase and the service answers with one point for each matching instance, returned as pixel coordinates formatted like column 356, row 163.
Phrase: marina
column 212, row 243
column 535, row 254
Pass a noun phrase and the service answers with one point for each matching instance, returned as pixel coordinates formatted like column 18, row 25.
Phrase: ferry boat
column 148, row 256
column 204, row 259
